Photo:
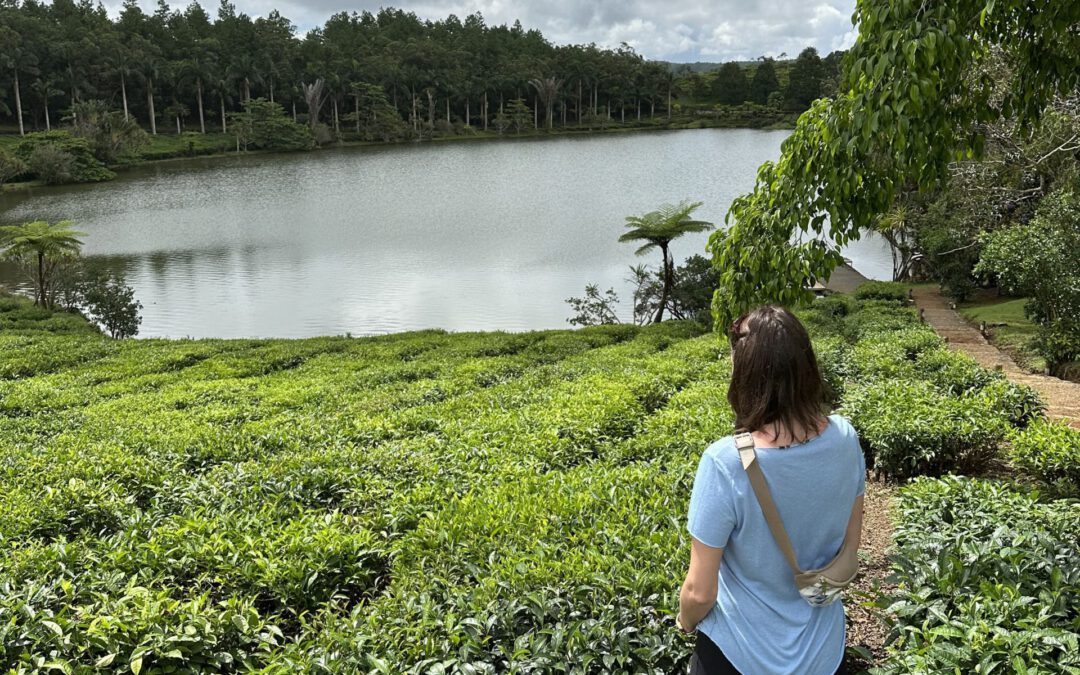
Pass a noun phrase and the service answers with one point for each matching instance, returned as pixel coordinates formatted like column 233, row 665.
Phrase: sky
column 672, row 30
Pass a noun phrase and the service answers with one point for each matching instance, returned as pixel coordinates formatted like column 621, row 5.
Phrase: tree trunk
column 202, row 117
column 178, row 132
column 622, row 112
column 41, row 299
column 224, row 124
column 579, row 101
column 468, row 112
column 667, row 286
column 669, row 102
column 271, row 90
column 639, row 110
column 150, row 105
column 652, row 109
column 431, row 109
column 247, row 90
column 337, row 128
column 448, row 109
column 485, row 111
column 123, row 95
column 48, row 126
column 357, row 114
column 536, row 113
column 18, row 104
column 595, row 99
column 294, row 111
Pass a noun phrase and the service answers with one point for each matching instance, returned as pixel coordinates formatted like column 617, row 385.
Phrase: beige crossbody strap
column 745, row 443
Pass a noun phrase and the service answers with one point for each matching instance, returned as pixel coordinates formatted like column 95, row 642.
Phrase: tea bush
column 416, row 503
column 1050, row 451
column 910, row 428
column 882, row 290
column 988, row 580
column 1018, row 403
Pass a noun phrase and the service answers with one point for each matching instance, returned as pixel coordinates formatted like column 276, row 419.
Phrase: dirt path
column 1062, row 398
column 865, row 628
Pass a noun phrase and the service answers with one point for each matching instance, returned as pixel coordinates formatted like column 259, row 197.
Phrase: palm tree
column 15, row 57
column 658, row 229
column 49, row 243
column 547, row 89
column 895, row 227
column 199, row 69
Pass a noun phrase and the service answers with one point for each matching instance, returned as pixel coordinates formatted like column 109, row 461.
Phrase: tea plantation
column 478, row 503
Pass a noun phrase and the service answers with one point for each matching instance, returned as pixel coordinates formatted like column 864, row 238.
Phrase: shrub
column 1050, row 451
column 877, row 316
column 909, row 428
column 10, row 166
column 893, row 353
column 989, row 580
column 882, row 290
column 1017, row 403
column 954, row 372
column 837, row 305
column 52, row 166
column 1059, row 344
column 837, row 366
column 111, row 303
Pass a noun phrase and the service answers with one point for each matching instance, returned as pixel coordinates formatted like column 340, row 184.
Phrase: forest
column 185, row 70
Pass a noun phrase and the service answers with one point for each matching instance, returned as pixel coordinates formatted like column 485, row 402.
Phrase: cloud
column 675, row 30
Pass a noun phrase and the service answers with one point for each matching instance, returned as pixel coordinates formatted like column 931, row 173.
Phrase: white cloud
column 676, row 30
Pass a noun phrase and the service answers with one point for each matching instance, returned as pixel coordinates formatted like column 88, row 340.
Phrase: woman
column 740, row 594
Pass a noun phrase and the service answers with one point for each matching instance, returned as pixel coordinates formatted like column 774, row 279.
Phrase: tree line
column 189, row 70
column 778, row 83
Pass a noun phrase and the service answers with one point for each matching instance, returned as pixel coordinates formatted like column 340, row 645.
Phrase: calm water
column 462, row 236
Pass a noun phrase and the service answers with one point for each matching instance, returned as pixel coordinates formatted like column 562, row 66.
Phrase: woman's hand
column 698, row 595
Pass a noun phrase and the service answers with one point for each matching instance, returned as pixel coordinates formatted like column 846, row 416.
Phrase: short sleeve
column 712, row 513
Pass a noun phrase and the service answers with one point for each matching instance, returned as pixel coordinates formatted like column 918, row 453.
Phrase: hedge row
column 1050, row 451
column 291, row 505
column 919, row 407
column 416, row 503
column 989, row 580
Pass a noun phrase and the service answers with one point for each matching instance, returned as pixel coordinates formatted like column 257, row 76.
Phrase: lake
column 490, row 235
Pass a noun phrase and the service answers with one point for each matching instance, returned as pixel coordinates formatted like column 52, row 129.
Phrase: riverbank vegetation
column 361, row 77
column 422, row 502
column 49, row 255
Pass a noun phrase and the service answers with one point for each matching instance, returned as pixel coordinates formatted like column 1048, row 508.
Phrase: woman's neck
column 776, row 435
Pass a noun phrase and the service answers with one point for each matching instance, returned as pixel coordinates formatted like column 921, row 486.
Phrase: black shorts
column 709, row 660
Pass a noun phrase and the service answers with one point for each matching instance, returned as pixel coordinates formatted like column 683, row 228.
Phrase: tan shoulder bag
column 818, row 587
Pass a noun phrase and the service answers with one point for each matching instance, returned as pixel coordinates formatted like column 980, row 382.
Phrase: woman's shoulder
column 843, row 426
column 724, row 455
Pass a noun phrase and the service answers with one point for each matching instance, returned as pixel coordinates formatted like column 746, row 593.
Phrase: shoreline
column 479, row 136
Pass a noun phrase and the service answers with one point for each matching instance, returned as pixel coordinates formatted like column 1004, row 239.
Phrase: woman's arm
column 854, row 527
column 698, row 594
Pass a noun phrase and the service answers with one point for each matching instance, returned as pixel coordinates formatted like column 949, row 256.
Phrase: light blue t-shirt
column 760, row 621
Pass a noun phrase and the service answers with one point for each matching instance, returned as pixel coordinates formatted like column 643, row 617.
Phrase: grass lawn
column 1007, row 326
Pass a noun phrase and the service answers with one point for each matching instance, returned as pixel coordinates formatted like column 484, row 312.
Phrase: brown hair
column 775, row 375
